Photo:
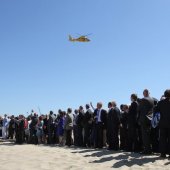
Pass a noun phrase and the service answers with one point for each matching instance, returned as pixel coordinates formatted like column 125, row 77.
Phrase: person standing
column 11, row 128
column 80, row 127
column 27, row 122
column 132, row 124
column 33, row 129
column 145, row 109
column 124, row 128
column 50, row 128
column 39, row 128
column 20, row 129
column 69, row 126
column 4, row 127
column 100, row 118
column 75, row 133
column 163, row 108
column 60, row 128
column 1, row 124
column 113, row 123
column 45, row 128
column 87, row 126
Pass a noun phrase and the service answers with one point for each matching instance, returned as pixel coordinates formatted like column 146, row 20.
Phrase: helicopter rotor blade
column 84, row 35
column 87, row 35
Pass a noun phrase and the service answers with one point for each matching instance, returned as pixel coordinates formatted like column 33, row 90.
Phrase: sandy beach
column 40, row 157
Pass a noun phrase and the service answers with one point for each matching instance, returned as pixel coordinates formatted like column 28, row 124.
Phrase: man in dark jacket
column 163, row 108
column 145, row 109
column 113, row 123
column 50, row 128
column 11, row 127
column 124, row 128
column 20, row 130
column 80, row 127
column 100, row 123
column 87, row 126
column 33, row 136
column 132, row 125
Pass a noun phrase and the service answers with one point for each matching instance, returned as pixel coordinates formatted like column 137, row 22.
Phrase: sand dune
column 31, row 157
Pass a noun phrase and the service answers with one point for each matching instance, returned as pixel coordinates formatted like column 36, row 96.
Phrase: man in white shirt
column 100, row 121
column 5, row 127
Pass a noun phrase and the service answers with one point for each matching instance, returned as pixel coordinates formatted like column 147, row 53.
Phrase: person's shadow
column 123, row 159
column 168, row 163
column 100, row 153
column 131, row 159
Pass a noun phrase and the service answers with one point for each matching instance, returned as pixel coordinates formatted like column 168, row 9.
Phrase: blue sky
column 129, row 51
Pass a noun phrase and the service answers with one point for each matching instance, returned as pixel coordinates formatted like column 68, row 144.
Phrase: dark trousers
column 132, row 139
column 68, row 137
column 11, row 133
column 113, row 138
column 87, row 135
column 75, row 134
column 123, row 138
column 98, row 135
column 139, row 145
column 50, row 135
column 146, row 138
column 79, row 136
column 19, row 137
column 155, row 139
column 33, row 136
column 165, row 140
column 92, row 137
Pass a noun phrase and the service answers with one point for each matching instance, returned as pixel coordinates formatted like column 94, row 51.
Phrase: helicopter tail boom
column 70, row 38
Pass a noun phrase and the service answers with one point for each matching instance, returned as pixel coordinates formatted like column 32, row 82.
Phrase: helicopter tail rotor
column 70, row 38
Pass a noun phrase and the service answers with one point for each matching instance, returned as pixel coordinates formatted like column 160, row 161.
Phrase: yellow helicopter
column 82, row 38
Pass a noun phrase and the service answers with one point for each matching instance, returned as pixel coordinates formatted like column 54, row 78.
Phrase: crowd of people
column 143, row 126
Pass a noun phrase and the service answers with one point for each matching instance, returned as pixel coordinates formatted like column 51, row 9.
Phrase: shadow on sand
column 122, row 158
column 133, row 159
